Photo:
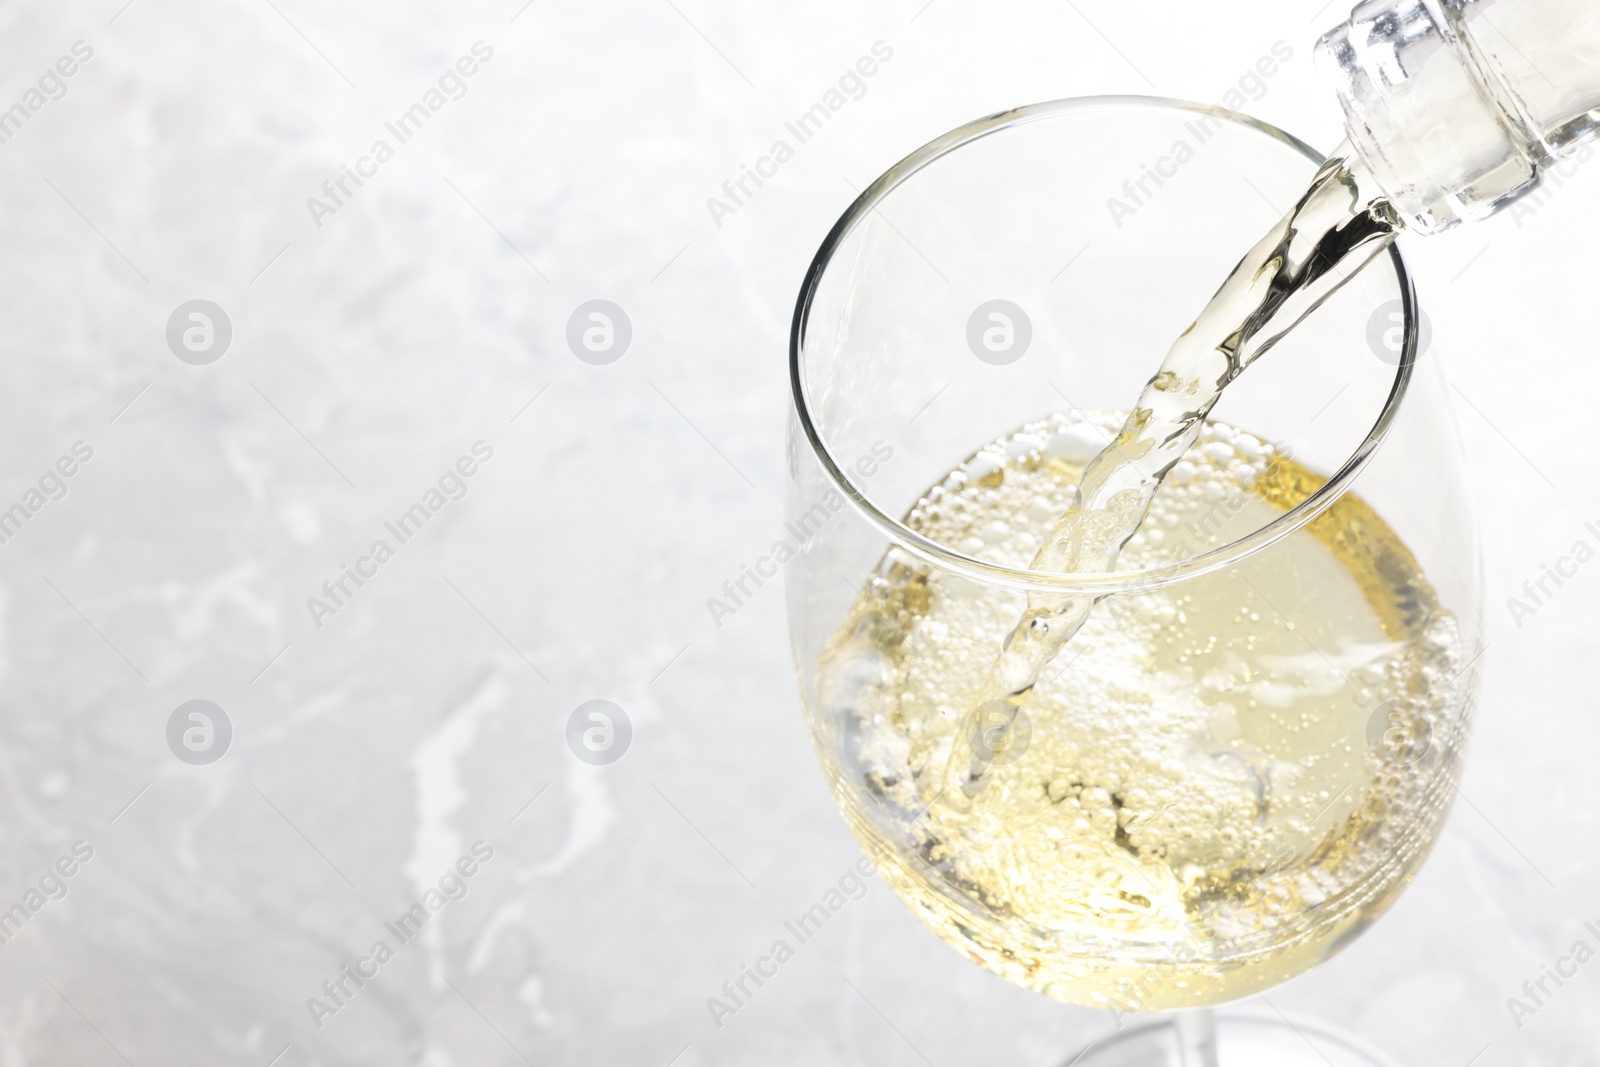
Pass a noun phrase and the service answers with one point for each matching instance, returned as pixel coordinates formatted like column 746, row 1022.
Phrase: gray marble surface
column 378, row 341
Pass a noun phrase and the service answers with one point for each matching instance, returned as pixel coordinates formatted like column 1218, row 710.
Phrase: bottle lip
column 1342, row 57
column 1029, row 581
column 1370, row 59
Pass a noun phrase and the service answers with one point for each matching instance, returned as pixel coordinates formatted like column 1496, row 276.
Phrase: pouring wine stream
column 1336, row 229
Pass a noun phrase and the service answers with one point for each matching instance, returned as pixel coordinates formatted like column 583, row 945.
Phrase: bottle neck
column 1458, row 106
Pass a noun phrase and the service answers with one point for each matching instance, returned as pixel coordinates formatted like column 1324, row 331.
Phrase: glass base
column 1244, row 1038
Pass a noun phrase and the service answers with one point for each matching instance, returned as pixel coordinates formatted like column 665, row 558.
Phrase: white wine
column 1335, row 229
column 1211, row 789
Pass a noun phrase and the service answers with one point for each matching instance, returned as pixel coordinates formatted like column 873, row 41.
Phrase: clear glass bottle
column 1458, row 107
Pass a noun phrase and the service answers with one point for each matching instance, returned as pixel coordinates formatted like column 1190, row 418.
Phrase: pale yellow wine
column 1212, row 787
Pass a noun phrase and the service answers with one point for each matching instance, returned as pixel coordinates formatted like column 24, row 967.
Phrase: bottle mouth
column 1029, row 581
column 1403, row 67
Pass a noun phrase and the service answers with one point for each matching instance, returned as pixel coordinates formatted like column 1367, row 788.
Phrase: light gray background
column 370, row 353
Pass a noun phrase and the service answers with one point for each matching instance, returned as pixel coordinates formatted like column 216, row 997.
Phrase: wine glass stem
column 1197, row 1038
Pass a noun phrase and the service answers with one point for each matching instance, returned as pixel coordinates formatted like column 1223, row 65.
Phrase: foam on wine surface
column 1194, row 801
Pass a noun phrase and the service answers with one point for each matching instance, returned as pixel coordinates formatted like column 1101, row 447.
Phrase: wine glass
column 1252, row 745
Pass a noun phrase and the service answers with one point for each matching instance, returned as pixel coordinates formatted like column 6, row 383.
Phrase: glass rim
column 1031, row 581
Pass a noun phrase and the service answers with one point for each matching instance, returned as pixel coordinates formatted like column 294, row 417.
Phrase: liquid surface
column 1335, row 230
column 1217, row 784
